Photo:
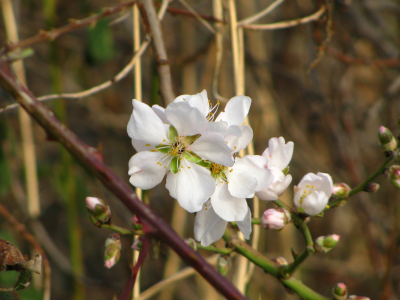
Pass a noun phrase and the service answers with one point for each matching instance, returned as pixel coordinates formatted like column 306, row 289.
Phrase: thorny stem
column 92, row 160
column 269, row 266
column 364, row 184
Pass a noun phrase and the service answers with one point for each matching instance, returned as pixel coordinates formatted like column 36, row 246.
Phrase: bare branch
column 73, row 25
column 261, row 14
column 161, row 57
column 287, row 24
column 198, row 17
column 92, row 160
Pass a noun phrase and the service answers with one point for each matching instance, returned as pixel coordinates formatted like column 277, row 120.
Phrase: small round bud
column 99, row 210
column 136, row 223
column 393, row 175
column 112, row 251
column 341, row 190
column 192, row 243
column 137, row 245
column 275, row 218
column 326, row 243
column 372, row 187
column 354, row 297
column 223, row 264
column 340, row 291
column 386, row 139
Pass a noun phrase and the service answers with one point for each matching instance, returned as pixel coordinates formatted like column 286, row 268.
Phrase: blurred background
column 326, row 85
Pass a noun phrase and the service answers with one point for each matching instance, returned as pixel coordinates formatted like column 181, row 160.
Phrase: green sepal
column 191, row 156
column 163, row 148
column 23, row 280
column 205, row 163
column 175, row 164
column 286, row 170
column 172, row 134
column 320, row 215
column 188, row 140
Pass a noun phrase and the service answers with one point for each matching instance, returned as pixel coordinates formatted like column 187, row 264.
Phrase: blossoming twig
column 92, row 160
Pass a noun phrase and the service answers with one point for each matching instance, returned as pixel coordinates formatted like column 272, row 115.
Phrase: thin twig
column 261, row 14
column 23, row 231
column 198, row 17
column 92, row 160
column 160, row 53
column 73, row 25
column 287, row 24
column 177, row 11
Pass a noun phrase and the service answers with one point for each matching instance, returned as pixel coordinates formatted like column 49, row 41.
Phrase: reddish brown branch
column 92, row 160
column 73, row 25
column 177, row 11
column 31, row 240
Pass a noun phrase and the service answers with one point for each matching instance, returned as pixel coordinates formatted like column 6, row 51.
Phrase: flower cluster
column 197, row 150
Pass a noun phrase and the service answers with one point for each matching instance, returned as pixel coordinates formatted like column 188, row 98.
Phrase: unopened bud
column 354, row 297
column 280, row 261
column 223, row 264
column 275, row 218
column 341, row 190
column 137, row 245
column 192, row 244
column 136, row 223
column 386, row 139
column 99, row 210
column 340, row 291
column 112, row 251
column 372, row 187
column 396, row 155
column 393, row 175
column 326, row 243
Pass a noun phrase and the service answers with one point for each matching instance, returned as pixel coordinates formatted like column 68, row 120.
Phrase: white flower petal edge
column 160, row 112
column 145, row 170
column 226, row 206
column 187, row 120
column 199, row 101
column 191, row 186
column 235, row 110
column 145, row 128
column 208, row 226
column 212, row 146
column 278, row 153
column 277, row 187
column 237, row 143
column 245, row 225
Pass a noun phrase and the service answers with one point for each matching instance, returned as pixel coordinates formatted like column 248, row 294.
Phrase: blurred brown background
column 331, row 112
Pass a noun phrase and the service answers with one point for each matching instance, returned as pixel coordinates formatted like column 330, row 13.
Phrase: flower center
column 307, row 191
column 213, row 110
column 218, row 172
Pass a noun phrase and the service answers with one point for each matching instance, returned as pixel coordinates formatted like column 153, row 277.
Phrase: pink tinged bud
column 386, row 139
column 192, row 244
column 99, row 210
column 326, row 243
column 275, row 218
column 136, row 223
column 137, row 245
column 112, row 250
column 223, row 264
column 340, row 291
column 372, row 187
column 341, row 190
column 393, row 175
column 354, row 297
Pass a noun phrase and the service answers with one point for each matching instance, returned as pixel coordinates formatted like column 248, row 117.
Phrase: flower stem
column 212, row 248
column 121, row 230
column 364, row 184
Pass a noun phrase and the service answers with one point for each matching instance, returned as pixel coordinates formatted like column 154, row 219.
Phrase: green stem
column 254, row 221
column 118, row 229
column 212, row 248
column 364, row 184
column 268, row 266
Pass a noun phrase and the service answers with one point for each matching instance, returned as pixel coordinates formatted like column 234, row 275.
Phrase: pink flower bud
column 341, row 190
column 340, row 291
column 275, row 218
column 386, row 139
column 393, row 175
column 137, row 245
column 99, row 210
column 91, row 203
column 112, row 250
column 326, row 243
column 372, row 187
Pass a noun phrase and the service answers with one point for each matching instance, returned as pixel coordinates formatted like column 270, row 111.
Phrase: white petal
column 314, row 203
column 245, row 225
column 160, row 112
column 187, row 120
column 237, row 143
column 199, row 101
column 222, row 128
column 235, row 110
column 226, row 206
column 145, row 128
column 327, row 184
column 278, row 153
column 241, row 184
column 191, row 186
column 145, row 171
column 267, row 195
column 212, row 146
column 311, row 179
column 255, row 165
column 208, row 227
column 280, row 186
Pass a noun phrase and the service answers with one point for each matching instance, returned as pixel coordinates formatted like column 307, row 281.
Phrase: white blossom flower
column 278, row 156
column 175, row 147
column 209, row 227
column 313, row 193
